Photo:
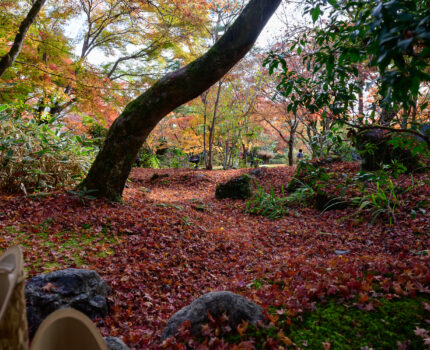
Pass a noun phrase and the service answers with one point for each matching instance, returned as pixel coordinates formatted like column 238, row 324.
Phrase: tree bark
column 204, row 98
column 290, row 150
column 7, row 60
column 113, row 164
column 209, row 164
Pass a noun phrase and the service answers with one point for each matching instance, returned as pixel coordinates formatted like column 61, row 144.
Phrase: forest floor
column 172, row 241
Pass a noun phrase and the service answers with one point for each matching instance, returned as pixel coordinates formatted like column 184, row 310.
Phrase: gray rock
column 237, row 188
column 256, row 172
column 80, row 289
column 236, row 307
column 342, row 252
column 115, row 343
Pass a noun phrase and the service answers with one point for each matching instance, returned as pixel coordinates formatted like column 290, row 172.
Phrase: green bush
column 39, row 156
column 267, row 204
column 174, row 158
column 97, row 134
column 308, row 174
column 147, row 159
column 380, row 200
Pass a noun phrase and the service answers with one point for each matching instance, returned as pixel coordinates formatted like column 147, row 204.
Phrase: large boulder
column 80, row 289
column 236, row 307
column 114, row 343
column 376, row 149
column 237, row 188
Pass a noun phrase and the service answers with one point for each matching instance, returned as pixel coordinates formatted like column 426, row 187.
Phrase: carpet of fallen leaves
column 172, row 241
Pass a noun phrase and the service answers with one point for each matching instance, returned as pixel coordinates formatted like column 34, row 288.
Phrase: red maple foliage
column 172, row 241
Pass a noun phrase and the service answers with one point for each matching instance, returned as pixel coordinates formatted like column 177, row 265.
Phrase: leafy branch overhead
column 390, row 39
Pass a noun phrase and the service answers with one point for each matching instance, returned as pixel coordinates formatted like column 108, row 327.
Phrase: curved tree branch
column 111, row 168
column 8, row 59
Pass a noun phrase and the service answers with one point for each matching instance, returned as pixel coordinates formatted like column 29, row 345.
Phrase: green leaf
column 315, row 13
column 415, row 85
column 404, row 44
column 9, row 154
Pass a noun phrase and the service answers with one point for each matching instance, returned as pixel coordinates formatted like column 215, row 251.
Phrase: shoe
column 13, row 314
column 68, row 329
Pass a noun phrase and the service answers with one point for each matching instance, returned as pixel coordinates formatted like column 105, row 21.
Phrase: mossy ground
column 389, row 326
column 336, row 325
column 63, row 249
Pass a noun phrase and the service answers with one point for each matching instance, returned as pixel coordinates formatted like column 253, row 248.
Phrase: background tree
column 390, row 37
column 7, row 60
column 138, row 42
column 112, row 166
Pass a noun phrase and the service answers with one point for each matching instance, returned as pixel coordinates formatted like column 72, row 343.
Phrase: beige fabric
column 68, row 329
column 13, row 315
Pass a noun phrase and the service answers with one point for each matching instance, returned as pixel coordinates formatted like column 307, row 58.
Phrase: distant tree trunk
column 230, row 157
column 209, row 164
column 7, row 60
column 361, row 100
column 113, row 164
column 204, row 98
column 290, row 150
column 226, row 154
column 244, row 153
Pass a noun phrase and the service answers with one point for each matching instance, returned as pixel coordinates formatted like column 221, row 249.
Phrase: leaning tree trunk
column 113, row 164
column 7, row 60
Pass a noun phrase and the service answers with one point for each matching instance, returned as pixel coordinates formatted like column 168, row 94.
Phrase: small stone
column 342, row 252
column 256, row 172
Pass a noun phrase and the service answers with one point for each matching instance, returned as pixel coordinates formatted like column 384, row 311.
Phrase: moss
column 346, row 327
column 237, row 188
column 390, row 325
column 71, row 246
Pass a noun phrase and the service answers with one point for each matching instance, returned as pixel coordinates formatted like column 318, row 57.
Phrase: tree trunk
column 290, row 150
column 113, row 164
column 7, row 60
column 245, row 153
column 209, row 165
column 226, row 153
column 361, row 100
column 204, row 98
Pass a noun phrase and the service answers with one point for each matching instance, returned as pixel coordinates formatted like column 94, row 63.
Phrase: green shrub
column 307, row 174
column 301, row 195
column 97, row 134
column 267, row 204
column 380, row 200
column 147, row 159
column 39, row 156
column 173, row 158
